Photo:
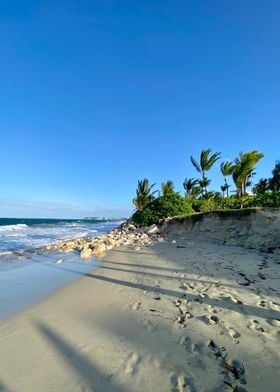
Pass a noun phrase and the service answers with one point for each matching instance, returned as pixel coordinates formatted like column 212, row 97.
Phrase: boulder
column 86, row 253
column 131, row 227
column 153, row 229
column 98, row 250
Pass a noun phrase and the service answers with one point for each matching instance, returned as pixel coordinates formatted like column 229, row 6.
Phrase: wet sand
column 27, row 281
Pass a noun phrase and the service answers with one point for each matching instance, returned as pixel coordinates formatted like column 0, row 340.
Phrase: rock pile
column 125, row 234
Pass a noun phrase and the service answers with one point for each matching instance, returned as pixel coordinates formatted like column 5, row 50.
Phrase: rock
column 131, row 227
column 161, row 239
column 98, row 250
column 153, row 229
column 126, row 234
column 60, row 261
column 137, row 248
column 86, row 253
column 174, row 242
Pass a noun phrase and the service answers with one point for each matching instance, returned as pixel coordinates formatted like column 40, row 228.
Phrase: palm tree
column 224, row 188
column 226, row 169
column 189, row 184
column 274, row 182
column 167, row 188
column 144, row 194
column 196, row 191
column 205, row 164
column 204, row 183
column 262, row 186
column 244, row 166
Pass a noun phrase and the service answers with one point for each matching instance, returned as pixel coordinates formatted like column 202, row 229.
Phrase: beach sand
column 184, row 316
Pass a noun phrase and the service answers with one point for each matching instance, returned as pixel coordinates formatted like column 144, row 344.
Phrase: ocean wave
column 17, row 235
column 20, row 226
column 5, row 252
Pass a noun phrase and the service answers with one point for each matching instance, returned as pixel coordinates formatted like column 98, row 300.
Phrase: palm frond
column 196, row 164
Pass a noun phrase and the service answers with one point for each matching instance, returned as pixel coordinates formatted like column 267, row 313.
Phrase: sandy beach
column 176, row 316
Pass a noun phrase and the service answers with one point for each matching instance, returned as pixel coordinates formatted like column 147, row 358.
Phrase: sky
column 97, row 94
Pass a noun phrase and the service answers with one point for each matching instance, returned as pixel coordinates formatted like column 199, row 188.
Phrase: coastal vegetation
column 144, row 194
column 161, row 207
column 152, row 205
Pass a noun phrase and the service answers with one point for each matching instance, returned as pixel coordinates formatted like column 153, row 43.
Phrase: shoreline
column 26, row 283
column 170, row 315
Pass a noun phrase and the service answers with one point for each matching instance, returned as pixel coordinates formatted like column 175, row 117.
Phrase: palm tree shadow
column 152, row 274
column 133, row 252
column 155, row 267
column 247, row 309
column 93, row 377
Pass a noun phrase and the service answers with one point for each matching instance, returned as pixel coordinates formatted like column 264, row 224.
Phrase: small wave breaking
column 20, row 226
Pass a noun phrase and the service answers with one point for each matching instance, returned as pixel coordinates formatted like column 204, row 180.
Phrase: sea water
column 28, row 273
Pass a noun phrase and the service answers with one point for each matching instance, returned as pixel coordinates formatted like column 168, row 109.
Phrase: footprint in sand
column 191, row 347
column 216, row 350
column 236, row 300
column 131, row 363
column 233, row 299
column 136, row 306
column 182, row 383
column 212, row 320
column 234, row 334
column 257, row 326
column 235, row 369
column 212, row 309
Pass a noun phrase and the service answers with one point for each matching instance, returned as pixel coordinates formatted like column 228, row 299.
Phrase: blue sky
column 95, row 95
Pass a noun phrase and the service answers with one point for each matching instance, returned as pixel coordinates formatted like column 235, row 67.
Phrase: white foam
column 20, row 226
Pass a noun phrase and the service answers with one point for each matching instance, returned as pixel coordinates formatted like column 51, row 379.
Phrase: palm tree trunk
column 226, row 184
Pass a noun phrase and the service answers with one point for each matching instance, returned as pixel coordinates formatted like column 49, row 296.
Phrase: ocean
column 19, row 237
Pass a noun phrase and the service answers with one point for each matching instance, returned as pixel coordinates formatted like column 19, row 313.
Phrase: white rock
column 153, row 229
column 60, row 261
column 174, row 242
column 86, row 253
column 131, row 227
column 161, row 239
column 98, row 250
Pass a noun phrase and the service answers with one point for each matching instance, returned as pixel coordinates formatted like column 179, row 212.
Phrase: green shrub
column 269, row 199
column 163, row 207
column 223, row 203
column 230, row 203
column 204, row 205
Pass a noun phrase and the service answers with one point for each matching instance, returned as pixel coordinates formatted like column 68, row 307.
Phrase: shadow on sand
column 85, row 369
column 247, row 309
